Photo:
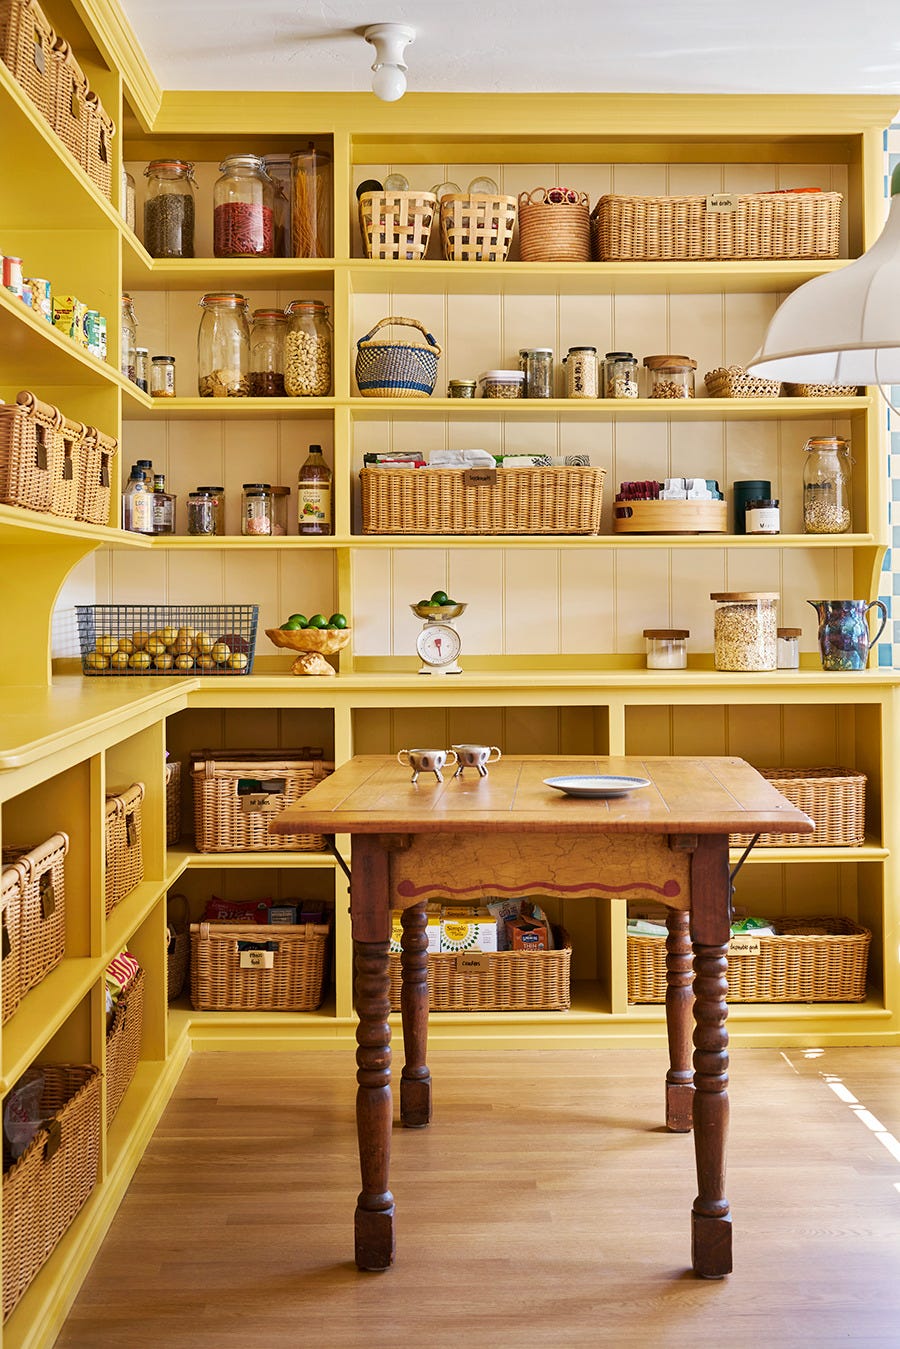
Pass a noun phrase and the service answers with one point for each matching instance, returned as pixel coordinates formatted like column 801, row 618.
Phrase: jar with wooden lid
column 243, row 217
column 223, row 347
column 670, row 376
column 267, row 333
column 745, row 630
column 666, row 648
column 788, row 647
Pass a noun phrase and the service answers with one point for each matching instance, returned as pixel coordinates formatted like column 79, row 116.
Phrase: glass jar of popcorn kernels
column 670, row 376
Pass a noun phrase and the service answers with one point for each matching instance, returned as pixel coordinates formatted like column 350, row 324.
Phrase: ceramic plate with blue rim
column 604, row 785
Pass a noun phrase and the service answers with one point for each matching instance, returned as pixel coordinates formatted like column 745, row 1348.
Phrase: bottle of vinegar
column 314, row 494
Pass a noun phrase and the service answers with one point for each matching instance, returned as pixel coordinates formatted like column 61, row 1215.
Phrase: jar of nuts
column 307, row 350
column 223, row 347
column 826, row 486
column 745, row 630
column 670, row 376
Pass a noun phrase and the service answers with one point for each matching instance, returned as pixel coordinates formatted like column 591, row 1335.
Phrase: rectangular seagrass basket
column 289, row 976
column 238, row 792
column 124, row 847
column 508, row 981
column 565, row 500
column 829, row 966
column 833, row 798
column 33, row 898
column 123, row 1043
column 26, row 44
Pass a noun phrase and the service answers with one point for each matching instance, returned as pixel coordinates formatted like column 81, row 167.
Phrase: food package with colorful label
column 468, row 929
column 432, row 929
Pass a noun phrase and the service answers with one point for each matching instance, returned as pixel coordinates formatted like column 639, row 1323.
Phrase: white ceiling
column 579, row 46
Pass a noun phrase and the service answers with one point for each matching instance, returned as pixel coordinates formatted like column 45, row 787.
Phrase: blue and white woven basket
column 393, row 369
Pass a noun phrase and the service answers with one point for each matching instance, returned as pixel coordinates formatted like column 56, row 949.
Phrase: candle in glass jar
column 666, row 648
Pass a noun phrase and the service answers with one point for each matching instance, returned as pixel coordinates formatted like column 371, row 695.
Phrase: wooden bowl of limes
column 325, row 640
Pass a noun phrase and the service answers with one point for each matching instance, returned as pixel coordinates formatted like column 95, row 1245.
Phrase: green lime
column 337, row 621
column 446, row 602
column 318, row 621
column 440, row 597
column 297, row 621
column 423, row 604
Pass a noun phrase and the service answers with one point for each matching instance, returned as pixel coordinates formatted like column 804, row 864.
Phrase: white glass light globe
column 389, row 83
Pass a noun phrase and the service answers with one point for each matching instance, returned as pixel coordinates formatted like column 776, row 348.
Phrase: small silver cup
column 476, row 756
column 426, row 761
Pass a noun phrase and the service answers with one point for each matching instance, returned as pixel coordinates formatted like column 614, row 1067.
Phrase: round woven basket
column 552, row 231
column 387, row 368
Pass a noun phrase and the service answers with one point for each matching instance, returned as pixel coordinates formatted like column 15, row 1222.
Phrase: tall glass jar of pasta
column 311, row 203
column 243, row 221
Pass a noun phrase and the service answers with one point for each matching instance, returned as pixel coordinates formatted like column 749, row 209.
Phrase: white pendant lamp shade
column 843, row 328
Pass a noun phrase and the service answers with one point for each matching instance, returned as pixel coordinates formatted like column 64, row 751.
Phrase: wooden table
column 470, row 838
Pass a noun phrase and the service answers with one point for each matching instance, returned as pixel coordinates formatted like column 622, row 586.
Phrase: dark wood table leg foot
column 374, row 1113
column 711, row 1217
column 415, row 1080
column 679, row 1000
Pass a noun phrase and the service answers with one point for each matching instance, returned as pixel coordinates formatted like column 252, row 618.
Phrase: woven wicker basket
column 510, row 981
column 124, row 851
column 45, row 1188
column 67, row 480
column 70, row 88
column 761, row 225
column 227, row 820
column 123, row 1044
column 477, row 228
column 31, row 452
column 178, row 952
column 96, row 148
column 821, row 390
column 289, row 977
column 826, row 967
column 98, row 452
column 834, row 798
column 564, row 500
column 26, row 45
column 33, row 892
column 396, row 225
column 173, row 802
column 393, row 369
column 553, row 231
column 732, row 381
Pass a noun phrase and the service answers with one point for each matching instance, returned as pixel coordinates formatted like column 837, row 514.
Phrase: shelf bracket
column 736, row 868
column 330, row 847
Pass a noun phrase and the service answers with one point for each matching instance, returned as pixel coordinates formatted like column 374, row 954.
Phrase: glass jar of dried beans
column 169, row 209
column 243, row 218
column 267, row 353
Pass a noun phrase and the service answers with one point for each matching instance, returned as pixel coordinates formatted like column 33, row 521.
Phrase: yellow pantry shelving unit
column 552, row 649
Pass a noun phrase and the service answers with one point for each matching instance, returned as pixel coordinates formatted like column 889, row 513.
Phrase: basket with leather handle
column 387, row 368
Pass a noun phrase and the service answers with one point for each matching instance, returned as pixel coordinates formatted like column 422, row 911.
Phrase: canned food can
column 41, row 296
column 92, row 331
column 27, row 294
column 12, row 275
column 68, row 316
column 101, row 332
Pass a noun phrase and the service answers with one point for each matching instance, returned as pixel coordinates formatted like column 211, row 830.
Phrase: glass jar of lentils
column 745, row 630
column 670, row 376
column 307, row 350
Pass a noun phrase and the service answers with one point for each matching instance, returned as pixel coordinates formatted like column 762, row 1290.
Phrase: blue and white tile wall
column 889, row 647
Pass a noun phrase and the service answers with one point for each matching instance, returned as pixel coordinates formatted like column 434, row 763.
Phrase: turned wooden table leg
column 710, row 930
column 679, row 1000
column 415, row 1080
column 374, row 1111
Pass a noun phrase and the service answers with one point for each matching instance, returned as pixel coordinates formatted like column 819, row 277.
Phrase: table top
column 373, row 794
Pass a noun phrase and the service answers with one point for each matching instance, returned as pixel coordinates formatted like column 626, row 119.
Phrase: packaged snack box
column 468, row 929
column 432, row 930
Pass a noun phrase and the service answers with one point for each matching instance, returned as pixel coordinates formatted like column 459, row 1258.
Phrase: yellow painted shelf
column 35, row 529
column 182, row 857
column 141, row 272
column 42, row 1011
column 142, row 408
column 228, row 542
column 35, row 353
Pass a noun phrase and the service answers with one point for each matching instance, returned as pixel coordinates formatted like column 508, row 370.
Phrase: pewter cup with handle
column 844, row 640
column 476, row 756
column 426, row 761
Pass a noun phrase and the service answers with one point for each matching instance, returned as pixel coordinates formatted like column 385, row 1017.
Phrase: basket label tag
column 256, row 802
column 54, row 1137
column 479, row 477
column 48, row 894
column 5, row 943
column 104, row 472
column 257, row 960
column 68, row 467
column 744, row 945
column 131, row 834
column 473, row 962
column 39, row 58
column 40, row 449
column 722, row 203
column 102, row 146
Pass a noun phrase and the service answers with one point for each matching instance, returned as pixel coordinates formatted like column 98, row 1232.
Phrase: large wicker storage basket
column 477, row 228
column 238, row 792
column 46, row 1187
column 26, row 44
column 564, row 500
column 388, row 368
column 31, row 452
column 68, row 477
column 553, row 231
column 245, row 967
column 505, row 981
column 70, row 89
column 173, row 802
column 33, row 893
column 123, row 1044
column 96, row 150
column 124, row 849
column 834, row 798
column 178, row 949
column 827, row 966
column 753, row 225
column 396, row 225
column 98, row 453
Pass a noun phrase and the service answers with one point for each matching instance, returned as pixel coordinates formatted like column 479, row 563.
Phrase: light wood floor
column 544, row 1207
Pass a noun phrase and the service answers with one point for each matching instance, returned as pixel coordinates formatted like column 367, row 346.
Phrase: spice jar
column 536, row 363
column 256, row 508
column 162, row 377
column 826, row 486
column 223, row 347
column 502, row 383
column 620, row 375
column 744, row 630
column 169, row 208
column 243, row 224
column 670, row 376
column 666, row 648
column 129, row 338
column 307, row 350
column 267, row 353
column 750, row 489
column 762, row 516
column 311, row 203
column 142, row 368
column 461, row 388
column 581, row 372
column 201, row 513
column 126, row 198
column 787, row 643
column 278, row 167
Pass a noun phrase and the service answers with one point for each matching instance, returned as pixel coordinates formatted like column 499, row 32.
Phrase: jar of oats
column 826, row 486
column 745, row 630
column 307, row 350
column 670, row 376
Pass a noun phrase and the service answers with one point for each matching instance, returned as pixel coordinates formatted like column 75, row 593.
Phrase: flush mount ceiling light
column 389, row 41
column 843, row 328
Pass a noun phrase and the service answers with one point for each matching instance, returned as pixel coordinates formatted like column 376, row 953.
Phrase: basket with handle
column 388, row 368
column 123, row 1043
column 69, row 111
column 96, row 146
column 67, row 479
column 477, row 227
column 34, row 916
column 553, row 231
column 396, row 226
column 95, row 475
column 26, row 43
column 31, row 452
column 178, row 947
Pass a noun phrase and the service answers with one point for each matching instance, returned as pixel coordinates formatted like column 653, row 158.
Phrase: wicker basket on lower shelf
column 178, row 947
column 123, row 1043
column 833, row 798
column 828, row 965
column 504, row 981
column 246, row 967
column 238, row 792
column 173, row 802
column 45, row 1188
column 124, row 843
column 34, row 916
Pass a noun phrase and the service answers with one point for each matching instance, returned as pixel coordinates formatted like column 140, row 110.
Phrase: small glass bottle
column 670, row 376
column 243, row 220
column 223, row 347
column 620, row 375
column 826, row 486
column 666, row 648
column 581, row 372
column 163, row 509
column 267, row 335
column 162, row 377
column 787, row 641
column 256, row 508
column 142, row 368
column 744, row 629
column 314, row 494
column 129, row 338
column 311, row 203
column 169, row 208
column 201, row 514
column 762, row 516
column 536, row 363
column 307, row 350
column 137, row 503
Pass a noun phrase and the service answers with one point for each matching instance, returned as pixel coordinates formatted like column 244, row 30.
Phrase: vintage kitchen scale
column 438, row 644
